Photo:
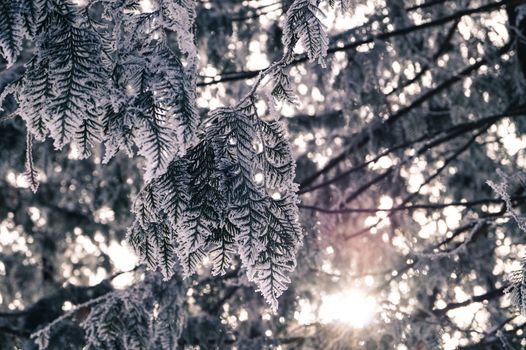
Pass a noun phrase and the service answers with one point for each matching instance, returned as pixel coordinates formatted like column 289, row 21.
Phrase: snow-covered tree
column 333, row 156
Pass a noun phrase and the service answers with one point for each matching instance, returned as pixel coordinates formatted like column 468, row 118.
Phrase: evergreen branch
column 234, row 76
column 42, row 335
column 31, row 174
column 11, row 30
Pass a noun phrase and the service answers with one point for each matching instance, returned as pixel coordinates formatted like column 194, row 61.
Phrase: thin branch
column 427, row 206
column 444, row 166
column 465, row 127
column 378, row 37
column 494, row 294
column 480, row 226
column 257, row 12
column 441, row 50
column 362, row 138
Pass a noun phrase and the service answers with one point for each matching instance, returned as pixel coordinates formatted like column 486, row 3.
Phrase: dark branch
column 362, row 138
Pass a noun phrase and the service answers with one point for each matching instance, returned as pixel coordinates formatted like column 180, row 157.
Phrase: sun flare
column 352, row 307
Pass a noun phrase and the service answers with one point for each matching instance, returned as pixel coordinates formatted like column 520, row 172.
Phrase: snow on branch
column 517, row 289
column 145, row 316
column 215, row 188
column 304, row 25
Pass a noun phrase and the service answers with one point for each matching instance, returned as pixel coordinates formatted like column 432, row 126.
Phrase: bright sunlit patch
column 472, row 314
column 104, row 215
column 257, row 58
column 17, row 180
column 305, row 315
column 386, row 203
column 352, row 307
column 80, row 3
column 259, row 177
column 243, row 315
column 510, row 138
column 67, row 305
column 73, row 152
column 146, row 6
column 124, row 259
column 12, row 238
column 122, row 256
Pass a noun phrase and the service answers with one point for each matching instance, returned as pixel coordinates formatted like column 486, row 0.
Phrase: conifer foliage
column 233, row 191
column 12, row 29
column 304, row 24
column 160, row 124
column 517, row 279
column 105, row 73
column 145, row 316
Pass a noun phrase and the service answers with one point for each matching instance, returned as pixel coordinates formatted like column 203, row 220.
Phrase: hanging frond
column 179, row 16
column 164, row 240
column 282, row 89
column 175, row 89
column 42, row 13
column 222, row 247
column 205, row 205
column 29, row 10
column 74, row 69
column 150, row 235
column 30, row 174
column 282, row 238
column 89, row 132
column 118, row 132
column 302, row 24
column 172, row 187
column 234, row 135
column 121, row 321
column 154, row 135
column 140, row 238
column 267, row 229
column 34, row 97
column 147, row 205
column 11, row 29
column 276, row 155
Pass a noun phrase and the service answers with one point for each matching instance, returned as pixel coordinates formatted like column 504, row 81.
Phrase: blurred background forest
column 407, row 246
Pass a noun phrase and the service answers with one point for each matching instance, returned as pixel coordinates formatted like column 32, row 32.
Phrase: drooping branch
column 49, row 308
